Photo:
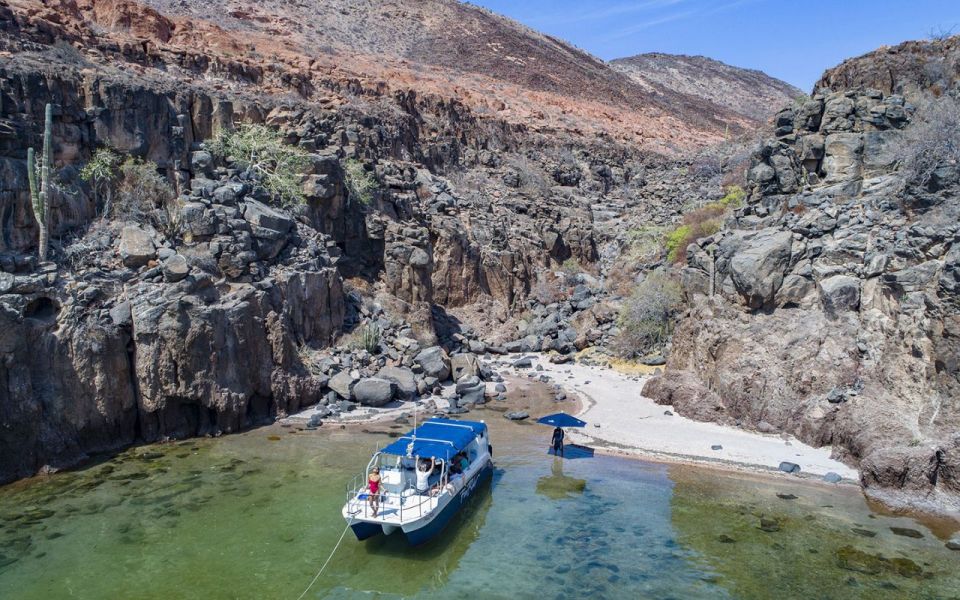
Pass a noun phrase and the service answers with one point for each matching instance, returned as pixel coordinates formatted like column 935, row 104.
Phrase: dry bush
column 145, row 196
column 725, row 164
column 548, row 288
column 532, row 179
column 932, row 141
column 702, row 222
column 646, row 317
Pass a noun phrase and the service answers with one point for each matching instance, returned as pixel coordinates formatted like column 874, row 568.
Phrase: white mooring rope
column 317, row 576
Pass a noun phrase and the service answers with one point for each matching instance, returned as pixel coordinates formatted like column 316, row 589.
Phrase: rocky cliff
column 827, row 307
column 223, row 316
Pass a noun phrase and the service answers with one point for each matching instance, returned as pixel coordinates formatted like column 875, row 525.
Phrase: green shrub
column 700, row 223
column 361, row 184
column 734, row 197
column 279, row 166
column 370, row 338
column 570, row 267
column 646, row 317
column 101, row 173
column 677, row 240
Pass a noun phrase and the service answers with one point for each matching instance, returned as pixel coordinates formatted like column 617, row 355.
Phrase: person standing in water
column 558, row 442
column 373, row 484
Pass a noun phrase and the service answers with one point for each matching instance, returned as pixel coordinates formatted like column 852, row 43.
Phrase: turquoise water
column 254, row 515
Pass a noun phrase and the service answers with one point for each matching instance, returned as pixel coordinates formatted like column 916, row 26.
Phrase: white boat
column 421, row 515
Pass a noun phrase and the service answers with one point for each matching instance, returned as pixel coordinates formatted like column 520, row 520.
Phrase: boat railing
column 406, row 510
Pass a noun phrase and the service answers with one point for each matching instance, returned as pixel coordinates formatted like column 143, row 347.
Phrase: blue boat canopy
column 437, row 438
column 561, row 420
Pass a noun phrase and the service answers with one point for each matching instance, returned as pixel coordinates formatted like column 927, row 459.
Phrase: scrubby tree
column 646, row 317
column 361, row 184
column 932, row 141
column 145, row 196
column 101, row 173
column 278, row 165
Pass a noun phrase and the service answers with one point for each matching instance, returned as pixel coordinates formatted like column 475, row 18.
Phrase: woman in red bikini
column 373, row 484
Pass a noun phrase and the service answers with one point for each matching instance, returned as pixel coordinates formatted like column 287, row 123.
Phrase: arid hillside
column 494, row 66
column 749, row 93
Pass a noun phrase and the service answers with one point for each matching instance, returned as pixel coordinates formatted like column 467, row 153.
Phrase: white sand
column 632, row 424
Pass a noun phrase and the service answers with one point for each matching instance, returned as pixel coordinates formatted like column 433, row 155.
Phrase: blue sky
column 794, row 40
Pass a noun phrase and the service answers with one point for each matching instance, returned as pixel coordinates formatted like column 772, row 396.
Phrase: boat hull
column 421, row 533
column 365, row 530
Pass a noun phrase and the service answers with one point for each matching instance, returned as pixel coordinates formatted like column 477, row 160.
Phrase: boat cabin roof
column 437, row 438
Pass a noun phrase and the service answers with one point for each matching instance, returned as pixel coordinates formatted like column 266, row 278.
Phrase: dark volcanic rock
column 373, row 391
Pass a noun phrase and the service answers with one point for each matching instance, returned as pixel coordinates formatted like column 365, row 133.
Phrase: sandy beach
column 621, row 421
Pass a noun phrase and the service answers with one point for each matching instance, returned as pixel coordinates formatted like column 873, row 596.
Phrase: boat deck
column 394, row 509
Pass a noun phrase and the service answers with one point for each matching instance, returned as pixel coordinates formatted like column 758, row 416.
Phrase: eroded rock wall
column 828, row 306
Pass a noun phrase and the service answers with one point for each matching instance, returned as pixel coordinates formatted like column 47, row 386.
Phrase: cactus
column 40, row 198
column 370, row 338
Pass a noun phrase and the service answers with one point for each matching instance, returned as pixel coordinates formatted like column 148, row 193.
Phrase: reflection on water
column 254, row 516
column 558, row 486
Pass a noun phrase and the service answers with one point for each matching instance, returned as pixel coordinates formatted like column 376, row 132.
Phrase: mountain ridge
column 750, row 93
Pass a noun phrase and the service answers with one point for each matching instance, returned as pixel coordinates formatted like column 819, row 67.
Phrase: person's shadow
column 558, row 486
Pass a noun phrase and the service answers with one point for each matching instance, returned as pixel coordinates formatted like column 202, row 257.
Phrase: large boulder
column 373, row 391
column 403, row 379
column 136, row 247
column 843, row 160
column 342, row 383
column 259, row 214
column 758, row 267
column 471, row 390
column 463, row 365
column 434, row 362
column 175, row 268
column 840, row 293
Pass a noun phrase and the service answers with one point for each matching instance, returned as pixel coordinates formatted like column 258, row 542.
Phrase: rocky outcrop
column 122, row 347
column 833, row 310
column 912, row 69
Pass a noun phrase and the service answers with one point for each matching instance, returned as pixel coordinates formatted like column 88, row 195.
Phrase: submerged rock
column 769, row 525
column 907, row 532
column 852, row 559
column 725, row 539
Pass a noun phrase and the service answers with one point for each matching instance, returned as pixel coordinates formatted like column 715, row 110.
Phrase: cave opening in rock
column 42, row 309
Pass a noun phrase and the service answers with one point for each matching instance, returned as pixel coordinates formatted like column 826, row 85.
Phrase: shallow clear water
column 247, row 516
